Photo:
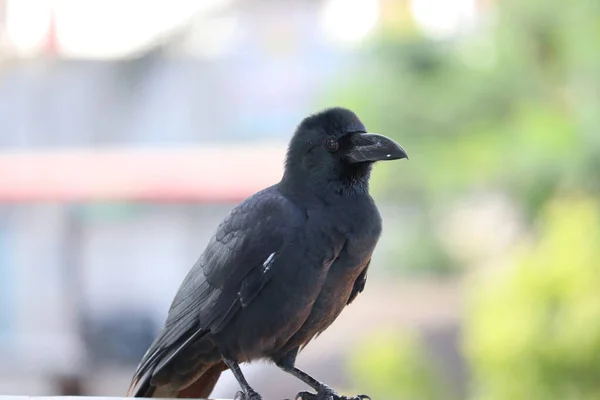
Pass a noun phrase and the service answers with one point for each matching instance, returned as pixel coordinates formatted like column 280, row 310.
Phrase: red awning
column 203, row 175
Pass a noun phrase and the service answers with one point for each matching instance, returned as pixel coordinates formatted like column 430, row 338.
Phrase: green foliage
column 418, row 254
column 513, row 108
column 393, row 365
column 534, row 331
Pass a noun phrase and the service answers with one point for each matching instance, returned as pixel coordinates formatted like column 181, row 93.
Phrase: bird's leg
column 247, row 392
column 324, row 392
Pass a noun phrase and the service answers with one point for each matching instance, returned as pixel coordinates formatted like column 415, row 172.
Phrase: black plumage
column 279, row 269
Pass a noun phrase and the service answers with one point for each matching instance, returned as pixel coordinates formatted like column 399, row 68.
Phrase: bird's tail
column 205, row 384
column 201, row 388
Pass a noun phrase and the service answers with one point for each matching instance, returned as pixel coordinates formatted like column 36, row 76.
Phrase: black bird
column 279, row 269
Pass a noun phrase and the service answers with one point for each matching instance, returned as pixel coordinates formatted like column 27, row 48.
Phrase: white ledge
column 71, row 398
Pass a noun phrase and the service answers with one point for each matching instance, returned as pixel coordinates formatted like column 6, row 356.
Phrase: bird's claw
column 328, row 395
column 249, row 395
column 310, row 396
column 357, row 397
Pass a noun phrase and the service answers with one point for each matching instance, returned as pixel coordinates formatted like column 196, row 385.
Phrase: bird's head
column 334, row 148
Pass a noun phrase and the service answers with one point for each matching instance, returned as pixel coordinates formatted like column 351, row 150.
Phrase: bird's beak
column 371, row 147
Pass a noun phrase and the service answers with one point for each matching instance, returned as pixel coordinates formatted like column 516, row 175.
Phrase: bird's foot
column 248, row 395
column 328, row 394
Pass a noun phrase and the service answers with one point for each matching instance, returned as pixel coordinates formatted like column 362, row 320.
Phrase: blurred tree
column 512, row 107
column 533, row 331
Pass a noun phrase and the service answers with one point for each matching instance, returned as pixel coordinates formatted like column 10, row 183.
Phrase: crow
column 279, row 269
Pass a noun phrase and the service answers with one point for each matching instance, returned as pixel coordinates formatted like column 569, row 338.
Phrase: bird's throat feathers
column 352, row 180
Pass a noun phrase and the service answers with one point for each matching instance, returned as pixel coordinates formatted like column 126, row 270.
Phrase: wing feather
column 235, row 257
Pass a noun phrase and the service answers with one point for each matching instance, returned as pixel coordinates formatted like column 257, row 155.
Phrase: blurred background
column 129, row 128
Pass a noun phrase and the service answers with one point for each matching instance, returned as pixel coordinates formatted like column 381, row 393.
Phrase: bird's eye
column 332, row 145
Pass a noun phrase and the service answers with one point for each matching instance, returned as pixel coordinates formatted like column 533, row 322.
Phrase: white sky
column 118, row 28
column 98, row 28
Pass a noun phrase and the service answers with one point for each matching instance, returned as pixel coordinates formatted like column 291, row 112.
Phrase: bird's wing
column 359, row 284
column 233, row 268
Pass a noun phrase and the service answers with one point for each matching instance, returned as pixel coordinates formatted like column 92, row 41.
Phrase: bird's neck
column 324, row 191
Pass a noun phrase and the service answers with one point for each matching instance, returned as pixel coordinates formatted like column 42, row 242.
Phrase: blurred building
column 109, row 111
column 89, row 277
